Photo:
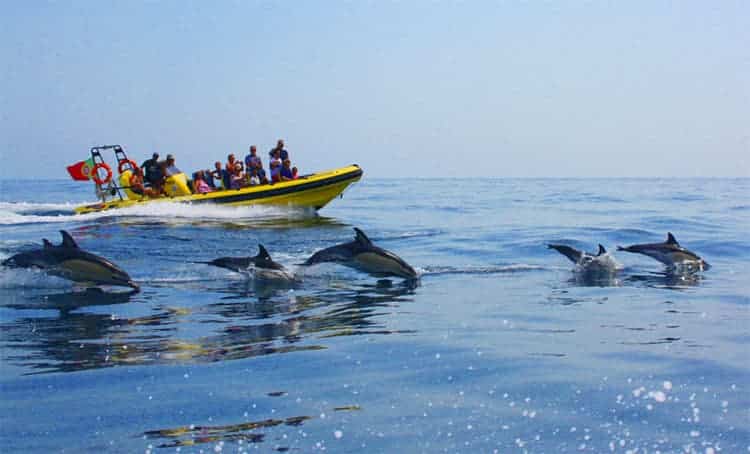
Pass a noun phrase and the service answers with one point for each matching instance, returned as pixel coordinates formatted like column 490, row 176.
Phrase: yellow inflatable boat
column 308, row 191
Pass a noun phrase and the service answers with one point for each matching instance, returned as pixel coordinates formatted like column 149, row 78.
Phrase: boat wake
column 492, row 269
column 23, row 213
column 18, row 213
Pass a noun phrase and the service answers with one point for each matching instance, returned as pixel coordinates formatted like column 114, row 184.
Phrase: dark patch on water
column 348, row 408
column 552, row 355
column 277, row 393
column 200, row 434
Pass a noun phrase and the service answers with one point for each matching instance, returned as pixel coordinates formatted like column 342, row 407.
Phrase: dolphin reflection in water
column 69, row 261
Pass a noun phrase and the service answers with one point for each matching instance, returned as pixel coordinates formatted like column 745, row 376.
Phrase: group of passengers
column 149, row 179
column 236, row 174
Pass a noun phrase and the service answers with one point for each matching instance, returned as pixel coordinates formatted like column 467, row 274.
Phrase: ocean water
column 499, row 347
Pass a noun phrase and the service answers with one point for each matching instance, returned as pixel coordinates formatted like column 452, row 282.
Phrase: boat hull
column 312, row 191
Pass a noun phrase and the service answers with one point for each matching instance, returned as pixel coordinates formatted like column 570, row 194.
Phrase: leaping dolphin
column 262, row 264
column 601, row 262
column 73, row 263
column 669, row 253
column 363, row 255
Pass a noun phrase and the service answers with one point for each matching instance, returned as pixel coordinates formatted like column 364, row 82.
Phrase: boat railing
column 110, row 188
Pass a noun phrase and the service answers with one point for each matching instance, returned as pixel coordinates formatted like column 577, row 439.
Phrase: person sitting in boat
column 208, row 177
column 232, row 163
column 252, row 159
column 238, row 176
column 253, row 179
column 169, row 167
column 261, row 174
column 286, row 170
column 283, row 154
column 152, row 170
column 199, row 183
column 294, row 173
column 275, row 158
column 221, row 176
column 136, row 185
column 275, row 171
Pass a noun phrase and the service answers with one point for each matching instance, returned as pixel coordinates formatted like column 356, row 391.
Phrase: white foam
column 33, row 278
column 12, row 213
column 23, row 213
column 29, row 207
column 604, row 263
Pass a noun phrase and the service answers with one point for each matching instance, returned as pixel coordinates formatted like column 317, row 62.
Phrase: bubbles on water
column 658, row 396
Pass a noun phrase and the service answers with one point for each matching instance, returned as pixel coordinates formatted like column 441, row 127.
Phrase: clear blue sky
column 407, row 88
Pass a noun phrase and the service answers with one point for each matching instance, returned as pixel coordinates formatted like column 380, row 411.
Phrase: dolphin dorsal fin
column 47, row 243
column 361, row 237
column 601, row 250
column 68, row 240
column 263, row 253
column 671, row 239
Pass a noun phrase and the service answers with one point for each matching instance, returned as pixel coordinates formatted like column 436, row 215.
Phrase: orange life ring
column 95, row 173
column 132, row 164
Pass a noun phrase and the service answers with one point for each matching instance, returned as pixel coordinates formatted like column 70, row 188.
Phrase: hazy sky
column 499, row 88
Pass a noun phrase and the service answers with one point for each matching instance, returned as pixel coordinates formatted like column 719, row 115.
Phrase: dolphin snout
column 124, row 280
column 408, row 272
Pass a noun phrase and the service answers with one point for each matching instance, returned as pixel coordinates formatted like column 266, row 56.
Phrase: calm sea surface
column 500, row 347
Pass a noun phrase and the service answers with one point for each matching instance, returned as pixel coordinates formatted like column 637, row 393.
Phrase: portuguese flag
column 81, row 171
